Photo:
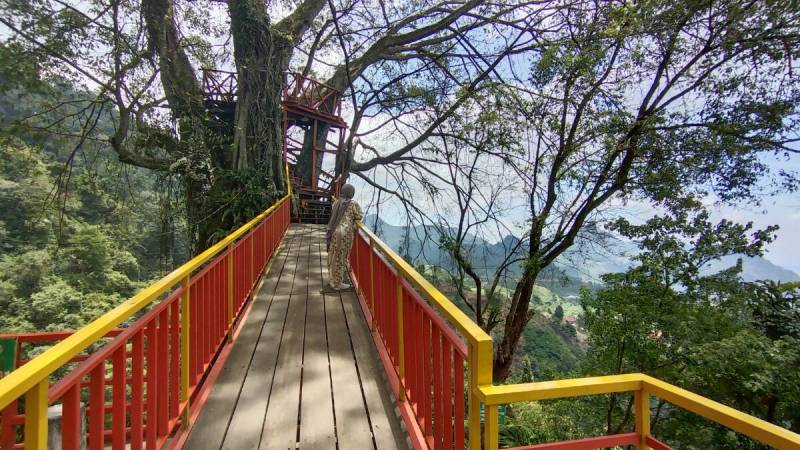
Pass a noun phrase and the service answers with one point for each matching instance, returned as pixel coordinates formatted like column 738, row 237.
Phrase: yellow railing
column 643, row 386
column 31, row 381
column 482, row 389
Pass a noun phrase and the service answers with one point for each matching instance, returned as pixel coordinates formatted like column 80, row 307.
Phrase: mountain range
column 582, row 264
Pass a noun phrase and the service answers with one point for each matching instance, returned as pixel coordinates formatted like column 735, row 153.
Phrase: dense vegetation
column 79, row 232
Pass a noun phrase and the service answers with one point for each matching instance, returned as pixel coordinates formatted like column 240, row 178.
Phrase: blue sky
column 782, row 210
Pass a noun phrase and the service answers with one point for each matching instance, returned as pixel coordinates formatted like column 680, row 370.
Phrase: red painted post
column 162, row 382
column 119, row 387
column 152, row 390
column 175, row 355
column 419, row 362
column 97, row 404
column 447, row 395
column 204, row 312
column 428, row 375
column 71, row 419
column 408, row 346
column 458, row 385
column 137, row 391
column 221, row 299
column 194, row 332
column 438, row 405
column 8, row 431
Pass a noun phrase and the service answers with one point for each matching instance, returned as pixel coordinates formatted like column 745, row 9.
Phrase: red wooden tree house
column 313, row 128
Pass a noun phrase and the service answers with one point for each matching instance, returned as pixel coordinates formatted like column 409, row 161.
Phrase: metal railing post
column 36, row 416
column 185, row 351
column 229, row 259
column 401, row 360
column 641, row 399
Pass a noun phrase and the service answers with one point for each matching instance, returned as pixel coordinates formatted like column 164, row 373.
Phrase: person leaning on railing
column 341, row 229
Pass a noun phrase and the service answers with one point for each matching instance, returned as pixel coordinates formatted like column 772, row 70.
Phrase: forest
column 504, row 148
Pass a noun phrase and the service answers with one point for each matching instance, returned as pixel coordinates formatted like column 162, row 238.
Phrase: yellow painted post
column 36, row 416
column 372, row 282
column 491, row 432
column 473, row 401
column 185, row 351
column 230, row 292
column 641, row 400
column 480, row 374
column 401, row 359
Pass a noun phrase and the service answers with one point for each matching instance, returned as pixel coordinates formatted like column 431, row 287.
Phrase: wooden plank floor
column 303, row 372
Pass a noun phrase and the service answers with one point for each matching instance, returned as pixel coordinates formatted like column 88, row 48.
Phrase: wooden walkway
column 303, row 372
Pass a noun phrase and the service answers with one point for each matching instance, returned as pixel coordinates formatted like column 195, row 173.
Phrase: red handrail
column 424, row 358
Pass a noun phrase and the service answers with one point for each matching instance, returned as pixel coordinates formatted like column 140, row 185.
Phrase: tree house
column 313, row 128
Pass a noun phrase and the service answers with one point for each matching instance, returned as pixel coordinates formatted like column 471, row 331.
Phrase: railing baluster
column 194, row 334
column 71, row 419
column 97, row 405
column 401, row 364
column 163, row 372
column 447, row 395
column 438, row 403
column 428, row 375
column 118, row 391
column 229, row 315
column 174, row 361
column 184, row 344
column 372, row 281
column 8, row 431
column 137, row 391
column 458, row 385
column 152, row 395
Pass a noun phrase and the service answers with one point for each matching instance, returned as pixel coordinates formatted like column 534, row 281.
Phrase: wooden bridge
column 239, row 348
column 302, row 372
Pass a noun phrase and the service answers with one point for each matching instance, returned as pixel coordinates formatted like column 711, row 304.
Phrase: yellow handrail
column 738, row 421
column 483, row 390
column 20, row 381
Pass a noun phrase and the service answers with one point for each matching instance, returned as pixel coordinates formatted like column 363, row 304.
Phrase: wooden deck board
column 280, row 426
column 316, row 419
column 380, row 405
column 354, row 430
column 210, row 428
column 303, row 372
column 247, row 421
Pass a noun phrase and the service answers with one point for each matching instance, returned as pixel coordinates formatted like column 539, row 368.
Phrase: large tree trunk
column 518, row 316
column 305, row 162
column 248, row 175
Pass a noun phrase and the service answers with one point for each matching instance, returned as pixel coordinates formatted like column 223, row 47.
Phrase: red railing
column 130, row 393
column 312, row 95
column 9, row 417
column 594, row 443
column 422, row 355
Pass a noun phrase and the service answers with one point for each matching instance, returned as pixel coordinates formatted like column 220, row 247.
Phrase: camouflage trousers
column 338, row 254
